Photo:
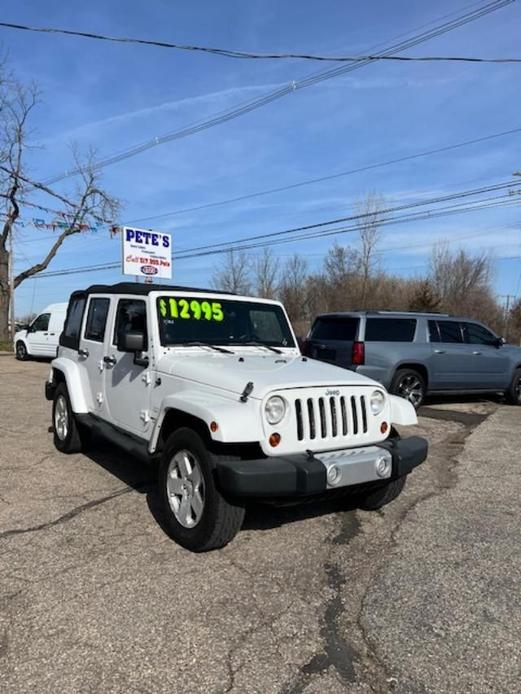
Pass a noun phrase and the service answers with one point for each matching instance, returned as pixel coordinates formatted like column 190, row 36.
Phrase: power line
column 419, row 203
column 310, row 181
column 315, row 78
column 260, row 241
column 250, row 55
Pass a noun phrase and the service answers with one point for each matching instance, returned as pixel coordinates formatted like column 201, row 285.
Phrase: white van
column 40, row 339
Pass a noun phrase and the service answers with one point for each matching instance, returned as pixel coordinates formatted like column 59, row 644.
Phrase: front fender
column 402, row 411
column 238, row 422
column 72, row 375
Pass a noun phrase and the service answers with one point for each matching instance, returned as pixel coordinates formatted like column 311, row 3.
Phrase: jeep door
column 127, row 384
column 490, row 363
column 92, row 350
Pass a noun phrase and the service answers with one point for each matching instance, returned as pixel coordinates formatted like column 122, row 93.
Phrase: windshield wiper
column 259, row 344
column 203, row 344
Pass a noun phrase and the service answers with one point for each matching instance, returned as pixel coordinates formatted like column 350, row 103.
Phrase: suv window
column 131, row 315
column 334, row 328
column 40, row 323
column 450, row 331
column 478, row 335
column 390, row 329
column 97, row 319
column 71, row 331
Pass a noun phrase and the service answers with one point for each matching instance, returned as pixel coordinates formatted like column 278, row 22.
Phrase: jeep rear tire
column 67, row 437
column 383, row 495
column 513, row 394
column 409, row 384
column 195, row 514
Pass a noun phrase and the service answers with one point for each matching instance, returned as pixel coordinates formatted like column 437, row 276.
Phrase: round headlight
column 275, row 409
column 377, row 401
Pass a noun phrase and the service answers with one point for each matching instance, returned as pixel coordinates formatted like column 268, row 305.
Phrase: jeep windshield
column 207, row 321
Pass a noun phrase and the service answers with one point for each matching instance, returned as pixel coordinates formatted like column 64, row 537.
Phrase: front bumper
column 306, row 475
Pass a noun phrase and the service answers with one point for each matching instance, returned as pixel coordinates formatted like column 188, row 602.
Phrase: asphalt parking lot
column 422, row 596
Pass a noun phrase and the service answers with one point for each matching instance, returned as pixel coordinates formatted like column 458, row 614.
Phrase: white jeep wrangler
column 214, row 388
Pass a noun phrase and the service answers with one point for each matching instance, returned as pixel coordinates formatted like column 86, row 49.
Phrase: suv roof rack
column 384, row 312
column 415, row 313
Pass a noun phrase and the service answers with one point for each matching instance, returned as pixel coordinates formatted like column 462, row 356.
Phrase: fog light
column 382, row 467
column 333, row 475
column 274, row 440
column 383, row 427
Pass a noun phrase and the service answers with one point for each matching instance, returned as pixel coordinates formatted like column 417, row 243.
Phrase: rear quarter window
column 390, row 329
column 335, row 328
column 70, row 336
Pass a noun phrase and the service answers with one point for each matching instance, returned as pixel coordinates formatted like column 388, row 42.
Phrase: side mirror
column 132, row 341
column 500, row 342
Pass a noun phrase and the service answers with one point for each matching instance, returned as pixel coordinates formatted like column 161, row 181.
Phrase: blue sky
column 111, row 96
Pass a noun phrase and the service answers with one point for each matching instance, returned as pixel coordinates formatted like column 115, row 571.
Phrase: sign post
column 146, row 253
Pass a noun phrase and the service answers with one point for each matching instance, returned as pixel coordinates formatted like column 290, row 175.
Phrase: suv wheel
column 383, row 495
column 67, row 437
column 409, row 384
column 513, row 394
column 21, row 351
column 195, row 513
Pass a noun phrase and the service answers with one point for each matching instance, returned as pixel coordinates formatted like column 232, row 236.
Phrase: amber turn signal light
column 214, row 426
column 383, row 427
column 274, row 440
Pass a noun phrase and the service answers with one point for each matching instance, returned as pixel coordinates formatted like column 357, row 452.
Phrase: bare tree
column 233, row 274
column 462, row 281
column 86, row 207
column 293, row 288
column 266, row 274
column 424, row 297
column 371, row 216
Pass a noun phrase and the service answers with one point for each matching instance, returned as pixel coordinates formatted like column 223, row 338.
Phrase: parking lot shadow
column 141, row 477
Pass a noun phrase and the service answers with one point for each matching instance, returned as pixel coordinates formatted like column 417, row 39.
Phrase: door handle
column 83, row 352
column 475, row 352
column 110, row 361
column 439, row 351
column 53, row 334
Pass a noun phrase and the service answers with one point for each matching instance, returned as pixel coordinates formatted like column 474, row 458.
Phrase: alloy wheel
column 61, row 418
column 411, row 388
column 185, row 488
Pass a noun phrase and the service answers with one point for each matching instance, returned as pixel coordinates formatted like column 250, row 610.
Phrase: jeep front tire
column 371, row 501
column 195, row 514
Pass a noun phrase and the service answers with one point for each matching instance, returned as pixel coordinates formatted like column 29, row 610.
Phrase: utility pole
column 506, row 315
column 11, row 317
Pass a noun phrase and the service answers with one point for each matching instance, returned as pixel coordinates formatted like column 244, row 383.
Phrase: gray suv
column 413, row 354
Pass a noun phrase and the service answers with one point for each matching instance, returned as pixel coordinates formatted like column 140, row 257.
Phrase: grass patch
column 6, row 346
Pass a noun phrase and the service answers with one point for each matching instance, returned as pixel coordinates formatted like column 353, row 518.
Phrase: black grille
column 332, row 417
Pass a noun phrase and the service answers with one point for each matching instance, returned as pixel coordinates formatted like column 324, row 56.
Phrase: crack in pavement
column 338, row 651
column 72, row 513
column 447, row 478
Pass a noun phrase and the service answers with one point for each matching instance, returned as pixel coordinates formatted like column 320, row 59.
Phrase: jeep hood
column 267, row 372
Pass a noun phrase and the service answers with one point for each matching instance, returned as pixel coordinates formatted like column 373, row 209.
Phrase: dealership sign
column 147, row 253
